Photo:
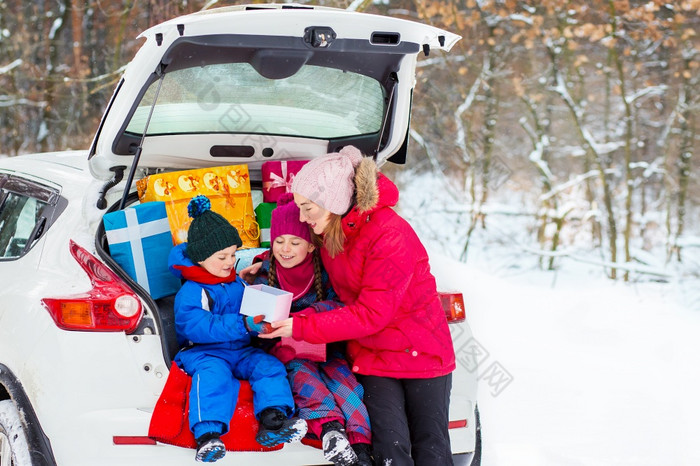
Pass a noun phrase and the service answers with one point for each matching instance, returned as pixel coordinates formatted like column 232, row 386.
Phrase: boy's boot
column 210, row 448
column 276, row 428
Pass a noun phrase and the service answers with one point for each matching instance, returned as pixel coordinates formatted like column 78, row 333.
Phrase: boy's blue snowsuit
column 216, row 351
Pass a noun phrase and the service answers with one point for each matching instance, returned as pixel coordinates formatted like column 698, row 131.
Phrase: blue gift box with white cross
column 139, row 241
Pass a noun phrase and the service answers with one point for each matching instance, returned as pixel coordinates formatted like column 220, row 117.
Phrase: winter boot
column 276, row 428
column 364, row 454
column 210, row 448
column 336, row 446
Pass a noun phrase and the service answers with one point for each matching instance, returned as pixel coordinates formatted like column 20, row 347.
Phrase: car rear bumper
column 99, row 438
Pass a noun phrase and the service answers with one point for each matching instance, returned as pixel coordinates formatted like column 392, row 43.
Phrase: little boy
column 215, row 344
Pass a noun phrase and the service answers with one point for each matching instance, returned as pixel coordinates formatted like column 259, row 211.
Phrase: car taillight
column 453, row 305
column 110, row 306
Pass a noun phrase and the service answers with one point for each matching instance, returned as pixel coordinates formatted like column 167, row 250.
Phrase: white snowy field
column 601, row 372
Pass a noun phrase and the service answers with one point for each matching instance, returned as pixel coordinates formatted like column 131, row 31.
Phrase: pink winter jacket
column 393, row 319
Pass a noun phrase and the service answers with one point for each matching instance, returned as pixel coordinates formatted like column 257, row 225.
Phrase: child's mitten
column 256, row 325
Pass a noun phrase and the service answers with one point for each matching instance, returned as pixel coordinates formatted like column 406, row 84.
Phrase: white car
column 234, row 85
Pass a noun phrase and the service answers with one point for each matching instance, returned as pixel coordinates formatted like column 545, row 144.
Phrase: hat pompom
column 285, row 198
column 198, row 205
column 353, row 153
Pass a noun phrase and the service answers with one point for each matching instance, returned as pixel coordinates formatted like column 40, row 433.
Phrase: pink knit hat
column 285, row 219
column 329, row 180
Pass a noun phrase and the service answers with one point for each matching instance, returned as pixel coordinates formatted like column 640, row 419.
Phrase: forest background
column 581, row 115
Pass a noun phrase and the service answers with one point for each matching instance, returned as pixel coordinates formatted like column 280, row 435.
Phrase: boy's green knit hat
column 209, row 232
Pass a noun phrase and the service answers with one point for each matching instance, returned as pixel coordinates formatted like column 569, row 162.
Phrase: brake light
column 110, row 306
column 453, row 305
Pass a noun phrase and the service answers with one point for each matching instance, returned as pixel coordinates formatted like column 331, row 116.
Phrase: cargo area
column 159, row 315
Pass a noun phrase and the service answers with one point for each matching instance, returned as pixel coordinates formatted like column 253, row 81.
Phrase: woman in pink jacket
column 399, row 344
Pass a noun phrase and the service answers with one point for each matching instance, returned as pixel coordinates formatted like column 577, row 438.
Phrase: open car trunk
column 252, row 84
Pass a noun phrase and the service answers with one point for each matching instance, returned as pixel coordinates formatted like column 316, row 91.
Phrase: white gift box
column 270, row 302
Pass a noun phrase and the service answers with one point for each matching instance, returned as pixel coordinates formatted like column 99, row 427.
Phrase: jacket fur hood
column 372, row 189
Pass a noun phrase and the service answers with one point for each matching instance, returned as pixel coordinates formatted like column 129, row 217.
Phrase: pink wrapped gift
column 277, row 177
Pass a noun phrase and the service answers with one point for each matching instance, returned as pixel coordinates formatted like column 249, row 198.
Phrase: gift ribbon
column 249, row 229
column 134, row 233
column 280, row 181
column 254, row 234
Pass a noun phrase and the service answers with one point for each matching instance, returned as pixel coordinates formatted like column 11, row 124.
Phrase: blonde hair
column 333, row 236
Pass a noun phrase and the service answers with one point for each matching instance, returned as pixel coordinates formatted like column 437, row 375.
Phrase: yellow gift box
column 228, row 189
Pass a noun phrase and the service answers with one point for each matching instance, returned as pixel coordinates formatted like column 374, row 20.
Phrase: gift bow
column 278, row 181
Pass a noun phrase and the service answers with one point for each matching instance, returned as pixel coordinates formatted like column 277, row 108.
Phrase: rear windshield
column 315, row 102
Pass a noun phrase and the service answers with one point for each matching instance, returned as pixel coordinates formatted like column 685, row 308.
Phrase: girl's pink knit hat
column 329, row 180
column 285, row 219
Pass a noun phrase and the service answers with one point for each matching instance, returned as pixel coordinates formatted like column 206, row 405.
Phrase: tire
column 476, row 459
column 14, row 450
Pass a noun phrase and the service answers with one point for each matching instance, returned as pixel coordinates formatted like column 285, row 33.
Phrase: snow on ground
column 602, row 372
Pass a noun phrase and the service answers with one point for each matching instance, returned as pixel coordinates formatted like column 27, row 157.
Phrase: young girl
column 326, row 393
column 398, row 340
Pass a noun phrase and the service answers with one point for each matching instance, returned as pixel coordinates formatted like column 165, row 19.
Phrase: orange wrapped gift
column 228, row 189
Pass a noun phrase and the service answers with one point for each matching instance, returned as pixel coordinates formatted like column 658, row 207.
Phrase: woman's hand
column 249, row 273
column 281, row 328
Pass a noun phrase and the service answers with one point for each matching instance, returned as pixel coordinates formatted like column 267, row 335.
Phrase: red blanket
column 170, row 422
